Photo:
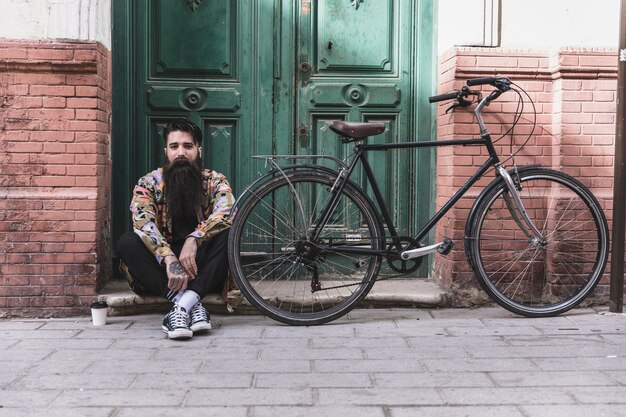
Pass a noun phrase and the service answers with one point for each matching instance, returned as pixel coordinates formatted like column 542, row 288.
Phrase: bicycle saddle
column 356, row 130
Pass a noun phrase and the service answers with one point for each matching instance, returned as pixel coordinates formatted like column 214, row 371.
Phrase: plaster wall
column 86, row 20
column 529, row 24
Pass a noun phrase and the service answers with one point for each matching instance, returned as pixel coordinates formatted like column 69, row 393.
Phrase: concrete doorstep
column 417, row 292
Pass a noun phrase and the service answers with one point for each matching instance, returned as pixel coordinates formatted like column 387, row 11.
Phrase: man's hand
column 188, row 257
column 177, row 277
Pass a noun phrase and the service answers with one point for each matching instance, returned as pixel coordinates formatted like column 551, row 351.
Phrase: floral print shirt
column 150, row 215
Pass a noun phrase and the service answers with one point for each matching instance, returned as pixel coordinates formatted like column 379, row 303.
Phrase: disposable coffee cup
column 99, row 313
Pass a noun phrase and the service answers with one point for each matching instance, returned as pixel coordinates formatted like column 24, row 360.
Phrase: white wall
column 536, row 24
column 88, row 20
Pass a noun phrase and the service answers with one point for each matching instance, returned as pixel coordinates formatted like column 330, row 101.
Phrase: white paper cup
column 99, row 311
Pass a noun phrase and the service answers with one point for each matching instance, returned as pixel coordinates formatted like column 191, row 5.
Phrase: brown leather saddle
column 355, row 130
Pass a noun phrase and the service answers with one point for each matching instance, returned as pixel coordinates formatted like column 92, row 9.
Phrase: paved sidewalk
column 380, row 362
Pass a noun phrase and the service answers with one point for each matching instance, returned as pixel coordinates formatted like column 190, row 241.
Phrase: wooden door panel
column 350, row 95
column 354, row 36
column 194, row 98
column 180, row 34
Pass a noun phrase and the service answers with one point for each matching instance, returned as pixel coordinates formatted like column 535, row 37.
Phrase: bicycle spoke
column 540, row 276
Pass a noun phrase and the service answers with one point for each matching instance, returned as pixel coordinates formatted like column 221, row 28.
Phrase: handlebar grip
column 481, row 81
column 442, row 97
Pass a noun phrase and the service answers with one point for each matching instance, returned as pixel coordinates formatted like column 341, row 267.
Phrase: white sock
column 188, row 300
column 174, row 296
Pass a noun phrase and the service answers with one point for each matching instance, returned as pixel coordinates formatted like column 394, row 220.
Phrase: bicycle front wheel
column 529, row 276
column 289, row 276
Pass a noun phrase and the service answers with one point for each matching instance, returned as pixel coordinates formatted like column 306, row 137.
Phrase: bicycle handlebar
column 443, row 97
column 482, row 81
column 501, row 83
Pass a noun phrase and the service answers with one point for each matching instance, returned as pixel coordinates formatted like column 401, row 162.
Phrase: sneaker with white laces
column 200, row 320
column 176, row 323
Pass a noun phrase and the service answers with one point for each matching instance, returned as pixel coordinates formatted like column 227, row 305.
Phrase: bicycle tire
column 268, row 252
column 531, row 278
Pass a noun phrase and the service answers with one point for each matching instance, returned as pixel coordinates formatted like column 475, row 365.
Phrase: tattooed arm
column 177, row 278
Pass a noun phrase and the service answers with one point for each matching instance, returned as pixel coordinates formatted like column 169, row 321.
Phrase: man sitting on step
column 180, row 219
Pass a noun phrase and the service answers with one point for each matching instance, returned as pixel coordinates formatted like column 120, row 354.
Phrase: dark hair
column 183, row 125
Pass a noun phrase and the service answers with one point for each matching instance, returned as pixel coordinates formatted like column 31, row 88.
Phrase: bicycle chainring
column 393, row 256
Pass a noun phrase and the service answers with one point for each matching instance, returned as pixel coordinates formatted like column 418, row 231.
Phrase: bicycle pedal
column 445, row 247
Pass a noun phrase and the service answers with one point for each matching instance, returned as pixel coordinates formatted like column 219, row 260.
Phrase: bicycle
column 307, row 243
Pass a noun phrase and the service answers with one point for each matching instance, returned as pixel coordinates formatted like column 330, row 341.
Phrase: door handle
column 305, row 67
column 303, row 133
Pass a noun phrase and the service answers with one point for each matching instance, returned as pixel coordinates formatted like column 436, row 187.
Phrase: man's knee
column 128, row 243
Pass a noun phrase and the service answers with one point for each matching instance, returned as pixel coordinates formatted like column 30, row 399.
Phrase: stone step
column 385, row 294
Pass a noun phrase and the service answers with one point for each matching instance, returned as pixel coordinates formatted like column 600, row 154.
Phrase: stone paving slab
column 374, row 362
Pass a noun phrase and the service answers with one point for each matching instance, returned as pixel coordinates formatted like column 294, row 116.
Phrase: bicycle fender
column 271, row 174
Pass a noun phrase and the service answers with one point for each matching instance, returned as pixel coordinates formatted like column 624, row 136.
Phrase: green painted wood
column 234, row 68
column 370, row 63
column 212, row 64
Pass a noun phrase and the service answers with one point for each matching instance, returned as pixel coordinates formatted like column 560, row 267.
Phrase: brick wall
column 575, row 96
column 55, row 106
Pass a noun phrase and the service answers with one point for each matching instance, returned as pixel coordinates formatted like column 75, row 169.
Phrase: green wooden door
column 365, row 60
column 267, row 76
column 208, row 61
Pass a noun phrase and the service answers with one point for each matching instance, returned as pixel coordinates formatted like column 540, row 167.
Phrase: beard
column 183, row 187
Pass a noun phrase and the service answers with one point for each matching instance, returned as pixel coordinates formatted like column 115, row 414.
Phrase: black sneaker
column 176, row 323
column 200, row 320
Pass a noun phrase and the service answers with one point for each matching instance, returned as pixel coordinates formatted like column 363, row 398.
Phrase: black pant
column 211, row 259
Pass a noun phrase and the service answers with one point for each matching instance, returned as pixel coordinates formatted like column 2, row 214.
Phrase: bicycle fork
column 518, row 211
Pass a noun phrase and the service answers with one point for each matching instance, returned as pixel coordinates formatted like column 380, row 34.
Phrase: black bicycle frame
column 362, row 149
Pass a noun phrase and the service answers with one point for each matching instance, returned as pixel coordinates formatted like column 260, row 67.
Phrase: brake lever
column 461, row 98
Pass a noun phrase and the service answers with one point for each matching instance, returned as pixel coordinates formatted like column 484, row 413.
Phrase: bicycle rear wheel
column 289, row 277
column 524, row 275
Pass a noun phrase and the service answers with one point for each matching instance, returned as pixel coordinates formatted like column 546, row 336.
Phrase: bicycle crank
column 443, row 248
column 394, row 260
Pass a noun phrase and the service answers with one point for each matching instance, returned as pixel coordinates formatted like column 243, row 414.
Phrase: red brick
column 52, row 136
column 82, row 103
column 85, row 55
column 53, row 114
column 54, row 102
column 85, row 215
column 77, row 80
column 85, row 159
column 13, row 53
column 47, row 90
column 40, row 79
column 603, row 96
column 80, row 205
column 62, row 158
column 578, row 96
column 604, row 118
column 27, row 102
column 598, row 129
column 86, row 182
column 85, row 236
column 82, row 114
column 52, row 258
column 82, row 170
column 54, row 181
column 599, row 107
column 50, row 54
column 56, row 237
column 54, row 170
column 80, row 125
column 598, row 61
column 86, row 91
column 24, row 147
column 53, row 215
column 54, row 148
column 17, row 302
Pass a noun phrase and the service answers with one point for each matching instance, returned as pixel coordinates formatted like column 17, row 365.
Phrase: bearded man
column 180, row 219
